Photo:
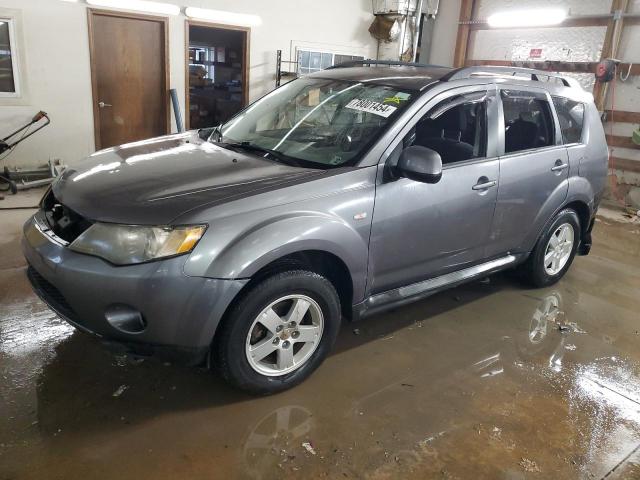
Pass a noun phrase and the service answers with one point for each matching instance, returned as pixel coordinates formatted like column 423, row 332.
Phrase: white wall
column 55, row 55
column 444, row 33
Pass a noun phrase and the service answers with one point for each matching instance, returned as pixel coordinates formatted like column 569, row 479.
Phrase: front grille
column 50, row 294
column 64, row 222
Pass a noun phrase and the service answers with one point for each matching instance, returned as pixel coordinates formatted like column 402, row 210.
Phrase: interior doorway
column 216, row 73
column 129, row 75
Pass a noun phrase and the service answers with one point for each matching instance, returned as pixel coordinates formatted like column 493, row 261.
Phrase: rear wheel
column 278, row 333
column 554, row 252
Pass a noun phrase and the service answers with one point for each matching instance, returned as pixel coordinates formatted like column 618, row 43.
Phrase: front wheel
column 278, row 333
column 555, row 250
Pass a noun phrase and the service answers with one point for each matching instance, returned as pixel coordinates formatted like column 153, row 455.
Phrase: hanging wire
column 614, row 177
column 628, row 73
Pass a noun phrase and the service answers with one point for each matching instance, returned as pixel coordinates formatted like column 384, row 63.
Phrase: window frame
column 427, row 106
column 538, row 92
column 15, row 63
column 584, row 116
column 485, row 100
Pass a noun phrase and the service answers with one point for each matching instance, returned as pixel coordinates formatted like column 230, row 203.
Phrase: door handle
column 102, row 104
column 484, row 185
column 559, row 166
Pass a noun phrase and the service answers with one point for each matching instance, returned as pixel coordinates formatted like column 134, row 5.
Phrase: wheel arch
column 584, row 213
column 578, row 203
column 322, row 262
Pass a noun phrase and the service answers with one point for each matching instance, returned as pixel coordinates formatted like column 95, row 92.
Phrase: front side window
column 8, row 72
column 528, row 121
column 456, row 129
column 571, row 118
column 320, row 122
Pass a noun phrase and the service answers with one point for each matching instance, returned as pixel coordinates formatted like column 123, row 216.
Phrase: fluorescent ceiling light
column 527, row 18
column 140, row 5
column 221, row 16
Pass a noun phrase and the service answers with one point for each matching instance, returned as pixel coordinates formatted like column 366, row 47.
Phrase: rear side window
column 528, row 121
column 571, row 118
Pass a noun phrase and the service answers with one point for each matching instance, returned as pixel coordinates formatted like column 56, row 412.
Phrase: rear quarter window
column 571, row 118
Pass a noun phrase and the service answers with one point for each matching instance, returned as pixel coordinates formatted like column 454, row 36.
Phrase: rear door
column 422, row 230
column 534, row 168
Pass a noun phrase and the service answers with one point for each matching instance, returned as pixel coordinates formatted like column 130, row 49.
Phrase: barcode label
column 370, row 106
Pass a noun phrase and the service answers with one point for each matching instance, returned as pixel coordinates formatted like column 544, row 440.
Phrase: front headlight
column 129, row 244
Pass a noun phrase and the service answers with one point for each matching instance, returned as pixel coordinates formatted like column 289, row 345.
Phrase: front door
column 422, row 230
column 129, row 77
column 533, row 170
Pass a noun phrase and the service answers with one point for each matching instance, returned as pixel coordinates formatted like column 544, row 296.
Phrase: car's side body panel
column 528, row 195
column 593, row 154
column 250, row 234
column 422, row 230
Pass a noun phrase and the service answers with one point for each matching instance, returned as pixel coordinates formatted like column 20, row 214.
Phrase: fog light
column 125, row 318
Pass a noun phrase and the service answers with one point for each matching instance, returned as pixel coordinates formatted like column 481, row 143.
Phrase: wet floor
column 489, row 380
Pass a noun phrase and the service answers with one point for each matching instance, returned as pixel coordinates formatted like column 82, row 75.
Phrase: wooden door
column 129, row 75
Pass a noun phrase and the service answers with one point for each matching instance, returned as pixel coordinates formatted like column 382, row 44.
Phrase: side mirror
column 205, row 133
column 210, row 133
column 420, row 164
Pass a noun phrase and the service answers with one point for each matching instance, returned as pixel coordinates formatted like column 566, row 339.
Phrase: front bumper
column 180, row 313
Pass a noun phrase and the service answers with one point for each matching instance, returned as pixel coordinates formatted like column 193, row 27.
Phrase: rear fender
column 580, row 190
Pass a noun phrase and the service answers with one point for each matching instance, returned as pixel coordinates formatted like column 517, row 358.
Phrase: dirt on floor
column 488, row 380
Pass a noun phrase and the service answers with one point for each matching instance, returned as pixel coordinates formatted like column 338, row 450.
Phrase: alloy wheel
column 559, row 248
column 284, row 335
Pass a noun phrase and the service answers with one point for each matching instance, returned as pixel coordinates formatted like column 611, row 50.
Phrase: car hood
column 154, row 181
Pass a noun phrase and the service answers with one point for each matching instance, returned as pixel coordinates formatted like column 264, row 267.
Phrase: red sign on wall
column 535, row 53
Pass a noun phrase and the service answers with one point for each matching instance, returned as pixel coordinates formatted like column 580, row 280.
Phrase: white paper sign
column 370, row 106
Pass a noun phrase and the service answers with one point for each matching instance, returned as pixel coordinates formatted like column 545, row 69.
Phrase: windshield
column 323, row 123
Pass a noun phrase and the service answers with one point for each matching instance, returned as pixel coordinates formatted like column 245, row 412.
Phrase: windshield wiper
column 250, row 147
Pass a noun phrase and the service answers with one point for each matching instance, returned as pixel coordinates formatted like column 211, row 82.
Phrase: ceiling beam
column 622, row 116
column 621, row 142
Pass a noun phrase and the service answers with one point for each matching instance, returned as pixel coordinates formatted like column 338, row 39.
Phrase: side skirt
column 420, row 290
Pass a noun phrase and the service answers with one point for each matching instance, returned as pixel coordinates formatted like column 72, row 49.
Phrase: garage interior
column 491, row 379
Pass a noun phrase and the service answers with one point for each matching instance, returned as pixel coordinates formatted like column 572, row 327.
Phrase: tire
column 243, row 336
column 540, row 273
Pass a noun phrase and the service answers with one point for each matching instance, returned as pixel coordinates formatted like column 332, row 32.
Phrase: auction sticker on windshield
column 370, row 106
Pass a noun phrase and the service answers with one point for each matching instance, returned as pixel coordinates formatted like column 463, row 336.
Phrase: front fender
column 253, row 249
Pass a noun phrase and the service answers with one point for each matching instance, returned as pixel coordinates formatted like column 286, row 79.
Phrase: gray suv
column 349, row 191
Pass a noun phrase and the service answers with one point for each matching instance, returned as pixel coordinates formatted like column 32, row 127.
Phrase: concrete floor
column 477, row 382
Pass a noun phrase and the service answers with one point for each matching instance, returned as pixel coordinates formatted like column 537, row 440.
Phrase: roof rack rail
column 492, row 70
column 355, row 63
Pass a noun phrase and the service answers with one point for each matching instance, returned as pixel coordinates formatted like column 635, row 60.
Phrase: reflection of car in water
column 538, row 341
column 275, row 438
